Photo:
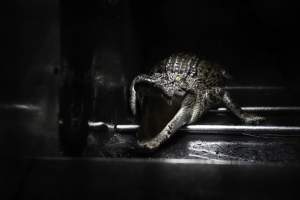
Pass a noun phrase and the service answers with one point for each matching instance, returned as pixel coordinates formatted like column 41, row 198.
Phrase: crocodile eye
column 178, row 78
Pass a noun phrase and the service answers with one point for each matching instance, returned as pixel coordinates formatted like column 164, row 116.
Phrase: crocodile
column 177, row 92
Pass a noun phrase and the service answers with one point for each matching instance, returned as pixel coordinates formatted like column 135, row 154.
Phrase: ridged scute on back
column 188, row 66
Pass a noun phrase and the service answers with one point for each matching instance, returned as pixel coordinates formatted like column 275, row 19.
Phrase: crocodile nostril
column 180, row 92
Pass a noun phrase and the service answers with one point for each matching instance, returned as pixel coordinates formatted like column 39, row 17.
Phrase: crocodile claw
column 249, row 118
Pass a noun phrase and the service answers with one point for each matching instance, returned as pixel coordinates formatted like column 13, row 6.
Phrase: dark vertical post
column 77, row 39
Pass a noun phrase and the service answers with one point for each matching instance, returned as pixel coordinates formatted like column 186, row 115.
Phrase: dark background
column 257, row 33
column 257, row 41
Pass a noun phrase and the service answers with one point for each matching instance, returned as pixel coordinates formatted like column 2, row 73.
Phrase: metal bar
column 262, row 109
column 27, row 107
column 127, row 127
column 219, row 110
column 254, row 88
column 198, row 129
column 240, row 128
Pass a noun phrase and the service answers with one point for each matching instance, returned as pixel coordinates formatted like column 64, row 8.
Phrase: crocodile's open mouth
column 156, row 110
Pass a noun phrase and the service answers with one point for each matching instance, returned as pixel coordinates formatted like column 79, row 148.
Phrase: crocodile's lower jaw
column 155, row 113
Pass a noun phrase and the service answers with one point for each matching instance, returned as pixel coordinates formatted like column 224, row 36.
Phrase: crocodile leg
column 201, row 105
column 247, row 118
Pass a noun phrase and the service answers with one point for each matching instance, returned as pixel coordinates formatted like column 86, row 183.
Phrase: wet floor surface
column 252, row 149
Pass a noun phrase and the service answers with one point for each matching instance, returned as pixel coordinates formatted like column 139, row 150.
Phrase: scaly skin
column 199, row 83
